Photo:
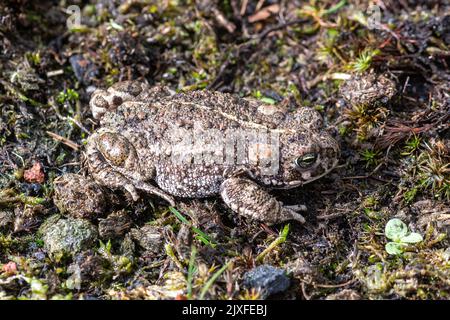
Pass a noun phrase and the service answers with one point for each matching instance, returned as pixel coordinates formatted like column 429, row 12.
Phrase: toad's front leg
column 247, row 198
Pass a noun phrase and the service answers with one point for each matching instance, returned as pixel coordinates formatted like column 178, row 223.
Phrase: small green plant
column 34, row 57
column 69, row 95
column 278, row 241
column 411, row 145
column 410, row 195
column 370, row 157
column 434, row 174
column 365, row 119
column 120, row 264
column 258, row 95
column 397, row 231
column 192, row 271
column 363, row 62
column 213, row 279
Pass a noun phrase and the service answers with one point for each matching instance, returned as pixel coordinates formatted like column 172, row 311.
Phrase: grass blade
column 213, row 279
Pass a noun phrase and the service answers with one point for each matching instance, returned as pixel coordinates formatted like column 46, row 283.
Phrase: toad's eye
column 114, row 148
column 306, row 160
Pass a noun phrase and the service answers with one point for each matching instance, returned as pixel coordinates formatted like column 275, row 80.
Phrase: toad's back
column 209, row 110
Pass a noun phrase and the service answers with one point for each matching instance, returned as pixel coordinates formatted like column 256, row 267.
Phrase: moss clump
column 67, row 236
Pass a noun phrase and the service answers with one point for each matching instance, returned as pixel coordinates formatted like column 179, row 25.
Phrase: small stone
column 79, row 197
column 87, row 268
column 149, row 237
column 85, row 71
column 34, row 174
column 115, row 225
column 127, row 246
column 67, row 236
column 28, row 217
column 268, row 279
column 299, row 267
column 9, row 268
column 39, row 255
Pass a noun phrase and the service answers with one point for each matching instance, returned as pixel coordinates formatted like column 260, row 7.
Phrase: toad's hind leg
column 247, row 198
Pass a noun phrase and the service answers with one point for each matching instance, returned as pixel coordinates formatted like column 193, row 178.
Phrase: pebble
column 149, row 237
column 85, row 71
column 67, row 236
column 268, row 279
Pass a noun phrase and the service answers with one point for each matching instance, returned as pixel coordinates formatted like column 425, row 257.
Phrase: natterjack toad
column 202, row 143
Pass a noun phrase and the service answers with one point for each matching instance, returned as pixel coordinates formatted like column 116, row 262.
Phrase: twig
column 243, row 7
column 264, row 34
column 64, row 140
column 224, row 22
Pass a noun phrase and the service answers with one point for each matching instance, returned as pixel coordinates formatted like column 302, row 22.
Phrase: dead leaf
column 264, row 13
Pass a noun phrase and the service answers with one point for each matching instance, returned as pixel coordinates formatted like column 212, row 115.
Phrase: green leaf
column 203, row 237
column 395, row 229
column 268, row 100
column 115, row 25
column 335, row 8
column 179, row 215
column 394, row 247
column 412, row 238
column 192, row 269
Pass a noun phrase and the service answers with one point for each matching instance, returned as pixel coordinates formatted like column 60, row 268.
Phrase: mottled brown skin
column 130, row 150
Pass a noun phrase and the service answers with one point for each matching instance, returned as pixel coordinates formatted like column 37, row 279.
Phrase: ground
column 394, row 161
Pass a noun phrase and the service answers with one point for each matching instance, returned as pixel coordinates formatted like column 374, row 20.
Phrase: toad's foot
column 247, row 198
